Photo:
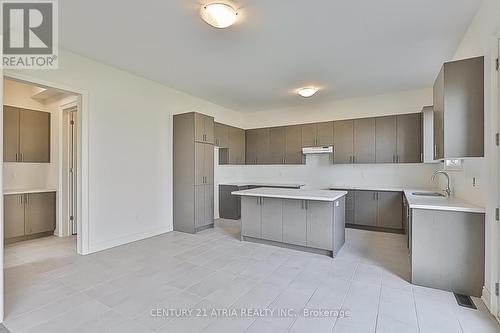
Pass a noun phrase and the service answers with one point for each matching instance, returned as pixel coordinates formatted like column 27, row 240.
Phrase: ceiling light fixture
column 307, row 91
column 219, row 15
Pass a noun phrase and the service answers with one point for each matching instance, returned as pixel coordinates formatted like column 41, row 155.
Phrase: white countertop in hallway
column 421, row 202
column 28, row 190
column 297, row 194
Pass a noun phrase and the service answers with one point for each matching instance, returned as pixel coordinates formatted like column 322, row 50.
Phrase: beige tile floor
column 49, row 288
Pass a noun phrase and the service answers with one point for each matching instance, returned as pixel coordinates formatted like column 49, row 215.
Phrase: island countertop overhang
column 294, row 194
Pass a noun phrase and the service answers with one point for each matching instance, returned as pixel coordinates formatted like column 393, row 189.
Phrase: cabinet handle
column 435, row 150
column 21, row 196
column 353, row 159
column 26, row 199
column 22, row 157
column 350, row 159
column 393, row 158
column 17, row 159
column 307, row 204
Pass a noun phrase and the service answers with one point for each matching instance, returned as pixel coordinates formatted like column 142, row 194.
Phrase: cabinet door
column 409, row 138
column 293, row 145
column 209, row 204
column 209, row 126
column 199, row 163
column 390, row 210
column 236, row 146
column 365, row 208
column 221, row 135
column 364, row 140
column 10, row 134
column 251, row 217
column 343, row 141
column 309, row 135
column 13, row 215
column 294, row 222
column 438, row 98
column 319, row 225
column 199, row 206
column 385, row 140
column 263, row 156
column 277, row 145
column 252, row 141
column 40, row 212
column 34, row 136
column 229, row 207
column 209, row 163
column 324, row 133
column 272, row 217
column 199, row 127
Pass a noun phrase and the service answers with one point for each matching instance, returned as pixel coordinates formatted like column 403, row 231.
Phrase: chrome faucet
column 447, row 190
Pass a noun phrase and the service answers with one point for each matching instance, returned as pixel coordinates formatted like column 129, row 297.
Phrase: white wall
column 481, row 38
column 130, row 146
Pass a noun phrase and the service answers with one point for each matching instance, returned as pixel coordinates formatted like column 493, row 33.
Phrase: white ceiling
column 347, row 47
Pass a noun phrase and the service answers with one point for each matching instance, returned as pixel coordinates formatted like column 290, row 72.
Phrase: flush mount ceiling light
column 307, row 91
column 219, row 15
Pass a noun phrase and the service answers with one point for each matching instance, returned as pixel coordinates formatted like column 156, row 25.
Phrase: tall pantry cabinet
column 193, row 160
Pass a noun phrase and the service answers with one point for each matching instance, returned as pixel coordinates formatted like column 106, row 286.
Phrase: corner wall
column 481, row 38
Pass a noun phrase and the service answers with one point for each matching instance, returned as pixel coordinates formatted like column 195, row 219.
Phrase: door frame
column 82, row 153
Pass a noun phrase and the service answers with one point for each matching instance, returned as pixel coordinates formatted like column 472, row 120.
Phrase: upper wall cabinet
column 343, row 142
column 221, row 135
column 236, row 145
column 26, row 135
column 257, row 146
column 364, row 140
column 459, row 109
column 409, row 138
column 317, row 134
column 203, row 128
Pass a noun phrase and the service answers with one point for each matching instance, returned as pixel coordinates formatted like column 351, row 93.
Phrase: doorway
column 41, row 177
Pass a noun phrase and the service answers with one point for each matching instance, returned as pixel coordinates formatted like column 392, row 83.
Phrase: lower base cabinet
column 374, row 210
column 28, row 215
column 203, row 203
column 312, row 224
column 294, row 226
column 447, row 250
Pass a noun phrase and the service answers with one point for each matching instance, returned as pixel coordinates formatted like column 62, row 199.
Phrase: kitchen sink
column 428, row 194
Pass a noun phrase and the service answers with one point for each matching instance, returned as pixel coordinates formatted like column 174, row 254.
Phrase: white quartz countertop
column 298, row 194
column 421, row 202
column 440, row 203
column 377, row 188
column 291, row 185
column 28, row 190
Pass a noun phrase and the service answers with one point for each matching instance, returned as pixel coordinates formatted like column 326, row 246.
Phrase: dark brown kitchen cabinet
column 13, row 215
column 364, row 140
column 317, row 134
column 257, row 146
column 277, row 145
column 343, row 141
column 385, row 139
column 365, row 208
column 236, row 148
column 193, row 163
column 26, row 135
column 203, row 128
column 409, row 138
column 29, row 214
column 459, row 109
column 390, row 210
column 221, row 135
column 251, row 142
column 293, row 145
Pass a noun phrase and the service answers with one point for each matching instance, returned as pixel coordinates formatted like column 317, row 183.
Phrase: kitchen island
column 307, row 220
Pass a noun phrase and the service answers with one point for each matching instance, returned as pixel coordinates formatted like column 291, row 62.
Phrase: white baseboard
column 486, row 297
column 96, row 247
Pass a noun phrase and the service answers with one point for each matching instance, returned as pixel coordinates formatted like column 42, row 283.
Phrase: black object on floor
column 465, row 301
